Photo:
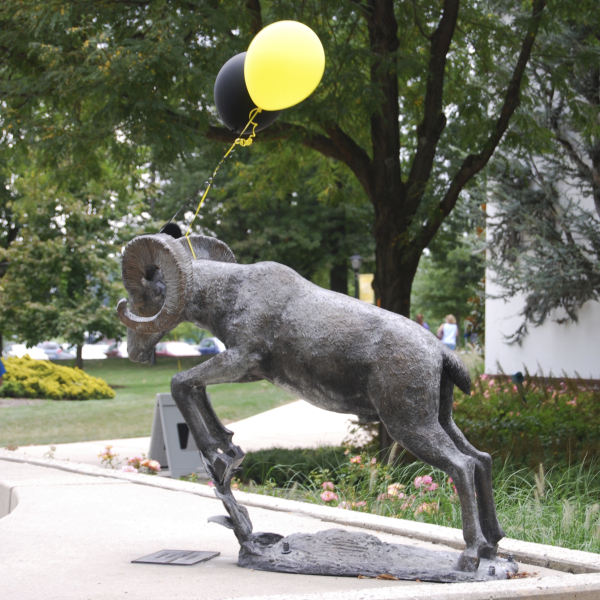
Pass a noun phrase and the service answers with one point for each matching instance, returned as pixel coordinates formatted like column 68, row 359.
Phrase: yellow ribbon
column 239, row 141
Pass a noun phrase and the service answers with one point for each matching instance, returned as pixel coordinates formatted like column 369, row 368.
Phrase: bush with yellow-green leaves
column 28, row 378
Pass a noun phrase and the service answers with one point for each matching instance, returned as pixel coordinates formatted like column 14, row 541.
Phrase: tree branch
column 338, row 145
column 254, row 9
column 385, row 126
column 475, row 162
column 425, row 35
column 434, row 120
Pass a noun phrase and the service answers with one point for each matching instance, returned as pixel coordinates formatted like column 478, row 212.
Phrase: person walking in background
column 420, row 321
column 448, row 332
column 2, row 371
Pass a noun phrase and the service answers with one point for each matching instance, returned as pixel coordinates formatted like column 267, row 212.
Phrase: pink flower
column 356, row 459
column 486, row 394
column 347, row 451
column 572, row 402
column 505, row 390
column 210, row 484
column 426, row 480
column 472, row 393
column 433, row 487
column 491, row 383
column 484, row 376
column 153, row 465
column 328, row 485
column 344, row 504
column 328, row 496
column 373, row 461
column 361, row 503
column 383, row 497
column 515, row 389
column 129, row 469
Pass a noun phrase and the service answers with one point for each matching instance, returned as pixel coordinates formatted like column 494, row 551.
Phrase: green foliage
column 557, row 424
column 308, row 215
column 282, row 465
column 61, row 272
column 187, row 332
column 28, row 378
column 413, row 118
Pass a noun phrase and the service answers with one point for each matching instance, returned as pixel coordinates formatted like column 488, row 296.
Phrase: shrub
column 550, row 421
column 28, row 378
column 280, row 465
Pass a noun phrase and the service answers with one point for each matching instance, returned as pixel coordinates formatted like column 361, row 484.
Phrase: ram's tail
column 456, row 370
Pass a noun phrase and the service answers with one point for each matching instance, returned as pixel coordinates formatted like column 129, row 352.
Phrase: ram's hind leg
column 431, row 444
column 483, row 470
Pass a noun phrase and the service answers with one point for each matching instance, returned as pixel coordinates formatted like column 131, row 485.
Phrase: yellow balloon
column 284, row 65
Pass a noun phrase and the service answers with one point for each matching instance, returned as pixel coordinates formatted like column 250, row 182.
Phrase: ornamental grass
column 28, row 378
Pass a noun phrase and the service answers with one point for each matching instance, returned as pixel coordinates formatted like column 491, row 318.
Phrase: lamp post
column 355, row 263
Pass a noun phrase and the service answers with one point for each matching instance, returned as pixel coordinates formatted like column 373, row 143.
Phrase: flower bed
column 558, row 508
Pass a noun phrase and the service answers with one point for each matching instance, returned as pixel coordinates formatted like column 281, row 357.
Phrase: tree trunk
column 79, row 358
column 338, row 278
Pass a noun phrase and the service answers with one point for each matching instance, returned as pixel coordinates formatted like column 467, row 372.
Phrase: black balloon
column 233, row 101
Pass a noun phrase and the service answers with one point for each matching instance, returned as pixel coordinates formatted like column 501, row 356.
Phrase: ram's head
column 158, row 276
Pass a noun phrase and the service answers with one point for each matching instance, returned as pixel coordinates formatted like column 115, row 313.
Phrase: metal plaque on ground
column 176, row 557
column 171, row 443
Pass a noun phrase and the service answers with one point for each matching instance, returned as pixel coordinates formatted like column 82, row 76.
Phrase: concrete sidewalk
column 295, row 425
column 71, row 532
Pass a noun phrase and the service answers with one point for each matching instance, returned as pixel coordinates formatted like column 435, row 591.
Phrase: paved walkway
column 295, row 425
column 70, row 532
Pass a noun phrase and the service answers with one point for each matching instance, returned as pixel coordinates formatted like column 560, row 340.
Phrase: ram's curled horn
column 142, row 258
column 207, row 248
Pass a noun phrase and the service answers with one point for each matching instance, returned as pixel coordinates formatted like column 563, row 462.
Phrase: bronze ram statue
column 334, row 351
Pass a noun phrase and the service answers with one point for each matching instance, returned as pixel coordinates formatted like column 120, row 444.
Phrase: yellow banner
column 365, row 289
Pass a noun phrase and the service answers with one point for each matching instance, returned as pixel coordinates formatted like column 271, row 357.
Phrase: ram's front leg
column 221, row 456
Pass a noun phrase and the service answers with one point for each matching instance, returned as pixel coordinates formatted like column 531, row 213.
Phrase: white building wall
column 573, row 348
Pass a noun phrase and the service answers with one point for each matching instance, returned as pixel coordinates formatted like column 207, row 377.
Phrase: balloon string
column 239, row 141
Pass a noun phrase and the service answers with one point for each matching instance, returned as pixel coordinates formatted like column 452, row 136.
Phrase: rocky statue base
column 342, row 553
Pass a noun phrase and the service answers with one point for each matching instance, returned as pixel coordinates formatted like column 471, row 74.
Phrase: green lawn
column 130, row 413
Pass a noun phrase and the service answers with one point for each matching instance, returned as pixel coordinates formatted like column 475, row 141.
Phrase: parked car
column 89, row 351
column 54, row 351
column 20, row 350
column 211, row 345
column 177, row 349
column 118, row 350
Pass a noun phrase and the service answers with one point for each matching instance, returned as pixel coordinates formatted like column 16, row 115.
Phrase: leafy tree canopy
column 414, row 101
